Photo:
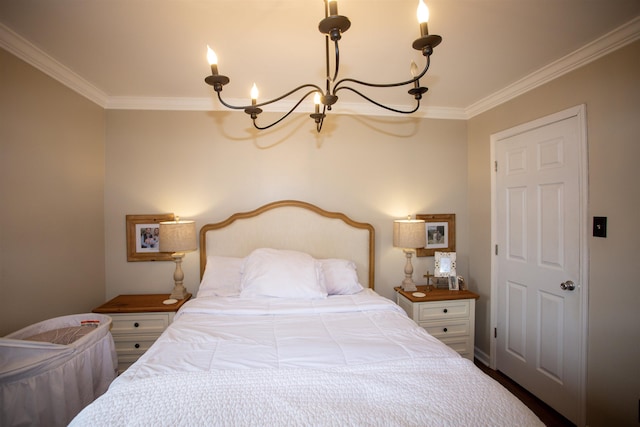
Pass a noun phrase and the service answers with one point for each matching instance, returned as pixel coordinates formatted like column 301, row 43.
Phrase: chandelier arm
column 228, row 105
column 328, row 63
column 326, row 58
column 235, row 107
column 319, row 124
column 379, row 104
column 288, row 113
column 360, row 82
column 337, row 63
column 426, row 68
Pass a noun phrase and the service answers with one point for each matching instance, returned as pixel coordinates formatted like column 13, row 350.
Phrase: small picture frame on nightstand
column 445, row 264
column 453, row 283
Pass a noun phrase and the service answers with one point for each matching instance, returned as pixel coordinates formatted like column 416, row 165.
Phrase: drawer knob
column 135, row 325
column 137, row 345
column 445, row 311
column 445, row 329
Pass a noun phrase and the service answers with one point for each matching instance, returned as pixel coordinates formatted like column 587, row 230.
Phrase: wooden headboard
column 294, row 225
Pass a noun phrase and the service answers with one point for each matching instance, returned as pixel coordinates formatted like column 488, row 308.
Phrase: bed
column 287, row 329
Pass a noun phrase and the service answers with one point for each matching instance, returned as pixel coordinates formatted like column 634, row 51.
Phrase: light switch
column 600, row 226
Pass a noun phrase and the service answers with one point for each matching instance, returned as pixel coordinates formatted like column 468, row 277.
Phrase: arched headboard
column 294, row 225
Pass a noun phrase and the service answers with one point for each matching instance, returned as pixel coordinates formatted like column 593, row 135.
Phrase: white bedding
column 344, row 360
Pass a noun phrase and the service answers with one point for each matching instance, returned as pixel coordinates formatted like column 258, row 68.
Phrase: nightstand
column 447, row 315
column 137, row 321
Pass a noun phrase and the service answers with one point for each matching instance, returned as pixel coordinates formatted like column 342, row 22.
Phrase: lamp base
column 179, row 292
column 408, row 283
column 409, row 286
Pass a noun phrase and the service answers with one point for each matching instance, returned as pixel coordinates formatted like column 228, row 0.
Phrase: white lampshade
column 178, row 236
column 409, row 234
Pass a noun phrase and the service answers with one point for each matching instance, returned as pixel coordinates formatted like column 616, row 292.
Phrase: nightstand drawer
column 126, row 360
column 463, row 345
column 139, row 323
column 443, row 310
column 442, row 330
column 133, row 344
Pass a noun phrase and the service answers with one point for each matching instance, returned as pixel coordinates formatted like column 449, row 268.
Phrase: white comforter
column 348, row 360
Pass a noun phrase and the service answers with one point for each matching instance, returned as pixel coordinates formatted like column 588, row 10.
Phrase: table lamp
column 409, row 235
column 178, row 237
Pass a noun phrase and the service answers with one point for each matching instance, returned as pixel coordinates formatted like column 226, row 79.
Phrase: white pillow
column 222, row 277
column 281, row 273
column 340, row 277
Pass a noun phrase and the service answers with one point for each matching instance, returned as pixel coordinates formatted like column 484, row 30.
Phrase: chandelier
column 333, row 26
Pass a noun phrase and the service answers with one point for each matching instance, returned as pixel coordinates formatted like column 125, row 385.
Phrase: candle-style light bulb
column 333, row 7
column 316, row 101
column 213, row 60
column 414, row 72
column 414, row 69
column 254, row 94
column 423, row 18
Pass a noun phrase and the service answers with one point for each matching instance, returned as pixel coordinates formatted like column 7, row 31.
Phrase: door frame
column 580, row 113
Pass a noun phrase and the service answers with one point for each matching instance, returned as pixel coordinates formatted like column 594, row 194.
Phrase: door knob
column 567, row 286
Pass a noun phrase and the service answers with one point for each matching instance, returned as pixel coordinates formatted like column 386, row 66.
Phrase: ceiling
column 152, row 53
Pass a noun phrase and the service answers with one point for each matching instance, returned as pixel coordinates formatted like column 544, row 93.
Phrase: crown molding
column 31, row 54
column 23, row 49
column 616, row 39
column 161, row 103
column 211, row 104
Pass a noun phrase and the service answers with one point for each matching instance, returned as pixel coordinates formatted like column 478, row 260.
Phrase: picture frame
column 441, row 233
column 143, row 238
column 453, row 283
column 445, row 264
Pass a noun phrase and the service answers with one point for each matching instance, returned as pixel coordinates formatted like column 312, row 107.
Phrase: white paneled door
column 538, row 214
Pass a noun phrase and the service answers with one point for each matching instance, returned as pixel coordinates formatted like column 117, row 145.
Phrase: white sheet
column 344, row 360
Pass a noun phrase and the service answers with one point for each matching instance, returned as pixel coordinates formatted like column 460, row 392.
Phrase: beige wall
column 51, row 198
column 610, row 88
column 206, row 166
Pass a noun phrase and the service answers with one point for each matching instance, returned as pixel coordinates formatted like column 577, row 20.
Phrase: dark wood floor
column 546, row 414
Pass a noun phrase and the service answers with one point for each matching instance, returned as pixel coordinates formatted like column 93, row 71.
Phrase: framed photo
column 143, row 237
column 441, row 233
column 445, row 264
column 453, row 283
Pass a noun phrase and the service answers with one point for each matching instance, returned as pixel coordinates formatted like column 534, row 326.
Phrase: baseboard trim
column 481, row 356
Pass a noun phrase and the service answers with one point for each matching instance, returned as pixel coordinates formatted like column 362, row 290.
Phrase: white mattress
column 344, row 360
